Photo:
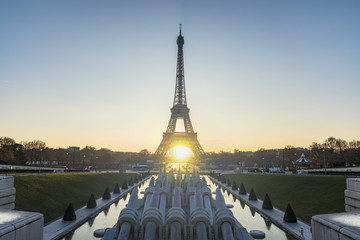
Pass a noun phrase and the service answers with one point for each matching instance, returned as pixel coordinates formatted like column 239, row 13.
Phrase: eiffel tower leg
column 172, row 124
column 187, row 124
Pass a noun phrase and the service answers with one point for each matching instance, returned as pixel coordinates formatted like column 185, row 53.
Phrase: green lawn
column 50, row 194
column 308, row 195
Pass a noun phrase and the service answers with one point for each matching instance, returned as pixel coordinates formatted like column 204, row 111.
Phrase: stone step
column 353, row 184
column 7, row 192
column 7, row 200
column 352, row 202
column 6, row 182
column 9, row 206
column 349, row 208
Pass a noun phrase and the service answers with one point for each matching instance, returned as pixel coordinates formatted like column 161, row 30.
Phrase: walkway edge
column 59, row 228
column 275, row 215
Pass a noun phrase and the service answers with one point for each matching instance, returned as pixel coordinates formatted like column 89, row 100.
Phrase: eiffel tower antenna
column 180, row 111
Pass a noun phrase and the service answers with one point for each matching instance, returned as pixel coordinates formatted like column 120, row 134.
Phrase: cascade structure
column 176, row 207
column 188, row 138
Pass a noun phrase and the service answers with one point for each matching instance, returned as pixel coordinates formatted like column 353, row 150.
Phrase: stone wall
column 17, row 225
column 7, row 192
column 344, row 226
column 352, row 195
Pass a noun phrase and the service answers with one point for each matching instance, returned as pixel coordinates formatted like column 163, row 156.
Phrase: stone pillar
column 352, row 195
column 341, row 225
column 7, row 192
column 17, row 224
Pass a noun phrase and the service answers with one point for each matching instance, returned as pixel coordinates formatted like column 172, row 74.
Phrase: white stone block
column 31, row 231
column 7, row 200
column 320, row 231
column 7, row 192
column 9, row 206
column 6, row 182
column 353, row 184
column 18, row 225
column 350, row 232
column 352, row 202
column 344, row 237
column 336, row 226
column 349, row 208
column 352, row 194
column 7, row 232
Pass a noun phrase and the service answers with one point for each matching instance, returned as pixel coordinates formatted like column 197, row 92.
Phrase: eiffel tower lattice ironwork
column 188, row 138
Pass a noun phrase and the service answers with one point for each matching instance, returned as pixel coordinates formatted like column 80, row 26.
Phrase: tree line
column 37, row 153
column 334, row 152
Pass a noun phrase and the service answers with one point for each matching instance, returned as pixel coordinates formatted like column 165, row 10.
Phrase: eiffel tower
column 188, row 138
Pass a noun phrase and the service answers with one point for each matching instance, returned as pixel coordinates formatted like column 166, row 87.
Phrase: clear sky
column 259, row 74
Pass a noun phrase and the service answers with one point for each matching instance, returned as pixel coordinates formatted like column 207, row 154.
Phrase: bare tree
column 34, row 151
column 339, row 146
column 88, row 155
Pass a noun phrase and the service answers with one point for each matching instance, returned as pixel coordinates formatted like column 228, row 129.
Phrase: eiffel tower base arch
column 188, row 140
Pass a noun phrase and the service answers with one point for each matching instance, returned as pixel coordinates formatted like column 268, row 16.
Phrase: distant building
column 73, row 149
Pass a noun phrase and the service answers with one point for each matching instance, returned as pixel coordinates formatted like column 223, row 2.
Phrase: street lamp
column 40, row 158
column 324, row 160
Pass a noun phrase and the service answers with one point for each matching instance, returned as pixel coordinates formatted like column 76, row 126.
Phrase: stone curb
column 59, row 228
column 275, row 215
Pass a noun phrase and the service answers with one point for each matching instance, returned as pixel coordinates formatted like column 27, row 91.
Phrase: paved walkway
column 275, row 215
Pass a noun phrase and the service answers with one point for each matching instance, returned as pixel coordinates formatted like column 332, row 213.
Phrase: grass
column 50, row 194
column 307, row 195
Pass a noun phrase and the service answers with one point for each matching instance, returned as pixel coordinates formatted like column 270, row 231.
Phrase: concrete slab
column 351, row 232
column 7, row 192
column 59, row 228
column 336, row 226
column 323, row 232
column 9, row 236
column 352, row 194
column 353, row 184
column 17, row 225
column 351, row 208
column 9, row 206
column 7, row 200
column 6, row 229
column 352, row 202
column 276, row 216
column 6, row 182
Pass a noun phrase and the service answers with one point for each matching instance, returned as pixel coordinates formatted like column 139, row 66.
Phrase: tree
column 6, row 141
column 11, row 152
column 34, row 151
column 354, row 151
column 143, row 155
column 88, row 155
column 316, row 153
column 289, row 156
column 61, row 156
column 106, row 161
column 6, row 151
column 339, row 146
column 19, row 153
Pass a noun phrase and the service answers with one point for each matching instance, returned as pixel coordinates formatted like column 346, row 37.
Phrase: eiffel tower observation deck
column 180, row 111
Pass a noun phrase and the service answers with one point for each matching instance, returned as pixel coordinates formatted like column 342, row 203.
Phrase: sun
column 181, row 152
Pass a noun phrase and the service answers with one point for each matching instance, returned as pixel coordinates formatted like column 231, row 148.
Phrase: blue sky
column 102, row 73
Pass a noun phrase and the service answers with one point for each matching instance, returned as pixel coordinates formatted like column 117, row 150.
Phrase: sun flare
column 181, row 152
